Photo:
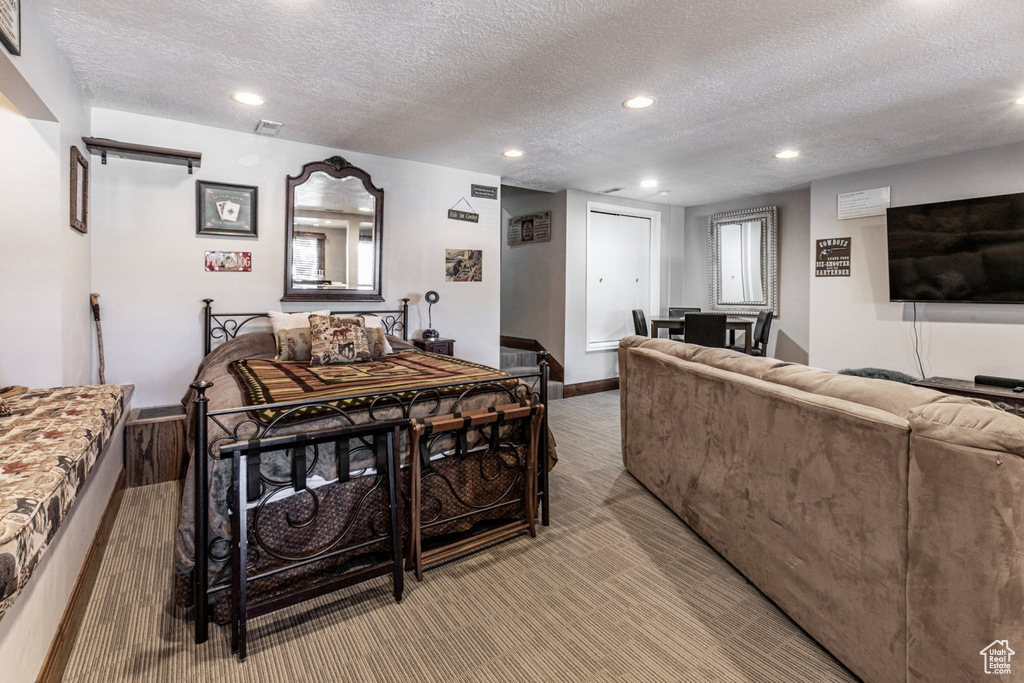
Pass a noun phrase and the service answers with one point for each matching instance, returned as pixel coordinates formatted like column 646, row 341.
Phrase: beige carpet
column 616, row 589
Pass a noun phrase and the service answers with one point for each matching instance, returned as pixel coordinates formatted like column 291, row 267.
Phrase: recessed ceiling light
column 648, row 183
column 512, row 153
column 639, row 102
column 663, row 193
column 787, row 154
column 1020, row 100
column 248, row 98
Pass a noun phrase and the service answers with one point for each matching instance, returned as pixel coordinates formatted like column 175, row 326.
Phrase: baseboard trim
column 67, row 631
column 594, row 387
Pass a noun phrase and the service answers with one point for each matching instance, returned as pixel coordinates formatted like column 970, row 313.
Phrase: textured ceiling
column 852, row 84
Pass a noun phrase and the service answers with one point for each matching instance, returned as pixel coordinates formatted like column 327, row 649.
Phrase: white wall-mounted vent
column 265, row 127
column 611, row 189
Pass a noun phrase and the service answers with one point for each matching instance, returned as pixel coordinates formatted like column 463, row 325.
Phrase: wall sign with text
column 457, row 214
column 229, row 261
column 862, row 204
column 832, row 257
column 484, row 191
column 534, row 227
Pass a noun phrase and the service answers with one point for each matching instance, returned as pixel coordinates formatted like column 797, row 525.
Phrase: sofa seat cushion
column 969, row 423
column 892, row 397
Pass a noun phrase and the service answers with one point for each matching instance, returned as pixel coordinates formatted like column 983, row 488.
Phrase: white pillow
column 290, row 321
column 374, row 321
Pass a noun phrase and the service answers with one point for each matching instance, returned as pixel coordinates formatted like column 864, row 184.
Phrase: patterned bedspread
column 48, row 445
column 243, row 375
column 268, row 381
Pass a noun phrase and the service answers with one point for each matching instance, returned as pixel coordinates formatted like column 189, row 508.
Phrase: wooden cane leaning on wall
column 94, row 300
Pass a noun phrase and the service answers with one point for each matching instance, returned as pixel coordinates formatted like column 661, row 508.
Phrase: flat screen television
column 964, row 251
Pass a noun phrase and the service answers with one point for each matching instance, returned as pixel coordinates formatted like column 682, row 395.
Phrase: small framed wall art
column 463, row 265
column 79, row 190
column 10, row 25
column 226, row 210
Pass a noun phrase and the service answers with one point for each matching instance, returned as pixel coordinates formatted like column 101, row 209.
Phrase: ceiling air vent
column 611, row 189
column 265, row 127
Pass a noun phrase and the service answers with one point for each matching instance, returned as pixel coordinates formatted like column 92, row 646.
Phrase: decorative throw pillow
column 337, row 340
column 377, row 341
column 294, row 344
column 373, row 321
column 289, row 321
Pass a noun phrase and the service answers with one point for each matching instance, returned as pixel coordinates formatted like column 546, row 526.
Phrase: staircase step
column 514, row 358
column 556, row 390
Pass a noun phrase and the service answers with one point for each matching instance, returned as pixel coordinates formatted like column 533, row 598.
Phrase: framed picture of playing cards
column 226, row 210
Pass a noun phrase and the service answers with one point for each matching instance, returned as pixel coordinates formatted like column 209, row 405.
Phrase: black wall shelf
column 126, row 150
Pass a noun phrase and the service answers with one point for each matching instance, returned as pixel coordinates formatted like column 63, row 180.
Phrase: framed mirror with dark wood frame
column 333, row 234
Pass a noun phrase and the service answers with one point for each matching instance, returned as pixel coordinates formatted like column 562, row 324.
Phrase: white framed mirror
column 743, row 259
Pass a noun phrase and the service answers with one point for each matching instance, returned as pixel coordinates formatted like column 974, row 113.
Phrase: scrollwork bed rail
column 213, row 430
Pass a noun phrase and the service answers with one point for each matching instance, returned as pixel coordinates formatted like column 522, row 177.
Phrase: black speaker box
column 998, row 381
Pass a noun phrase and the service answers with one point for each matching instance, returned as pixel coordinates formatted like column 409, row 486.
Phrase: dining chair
column 762, row 328
column 639, row 322
column 680, row 313
column 759, row 337
column 706, row 329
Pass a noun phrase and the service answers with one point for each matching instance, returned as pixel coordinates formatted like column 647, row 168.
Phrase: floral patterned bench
column 48, row 446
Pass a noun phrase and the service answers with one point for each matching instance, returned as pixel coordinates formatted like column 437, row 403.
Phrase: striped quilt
column 352, row 385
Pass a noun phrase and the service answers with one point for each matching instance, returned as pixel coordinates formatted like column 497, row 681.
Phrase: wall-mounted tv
column 964, row 251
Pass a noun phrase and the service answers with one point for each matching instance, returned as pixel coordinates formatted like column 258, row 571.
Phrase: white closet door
column 618, row 276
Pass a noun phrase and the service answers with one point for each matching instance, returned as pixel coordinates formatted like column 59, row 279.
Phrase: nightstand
column 445, row 347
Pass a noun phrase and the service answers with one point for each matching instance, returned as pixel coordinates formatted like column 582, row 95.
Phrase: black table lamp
column 432, row 298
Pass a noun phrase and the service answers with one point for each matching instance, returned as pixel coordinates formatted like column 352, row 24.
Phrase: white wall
column 44, row 261
column 581, row 365
column 853, row 324
column 790, row 336
column 533, row 274
column 148, row 261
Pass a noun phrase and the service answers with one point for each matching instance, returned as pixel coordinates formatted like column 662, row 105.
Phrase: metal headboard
column 226, row 326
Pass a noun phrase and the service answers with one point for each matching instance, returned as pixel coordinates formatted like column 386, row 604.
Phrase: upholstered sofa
column 887, row 520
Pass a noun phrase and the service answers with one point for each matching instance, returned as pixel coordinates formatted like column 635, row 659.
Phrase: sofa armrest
column 965, row 547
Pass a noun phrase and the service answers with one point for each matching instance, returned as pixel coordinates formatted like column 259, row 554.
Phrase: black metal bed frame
column 251, row 435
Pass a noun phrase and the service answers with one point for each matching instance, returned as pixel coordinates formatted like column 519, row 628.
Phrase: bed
column 319, row 495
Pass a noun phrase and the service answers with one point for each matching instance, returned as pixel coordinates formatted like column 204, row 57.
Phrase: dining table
column 733, row 324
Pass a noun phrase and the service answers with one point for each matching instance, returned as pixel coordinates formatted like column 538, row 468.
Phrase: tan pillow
column 294, row 344
column 377, row 341
column 289, row 321
column 337, row 340
column 374, row 321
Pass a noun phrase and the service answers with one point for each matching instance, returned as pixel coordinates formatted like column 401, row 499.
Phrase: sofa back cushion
column 892, row 397
column 734, row 361
column 969, row 423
